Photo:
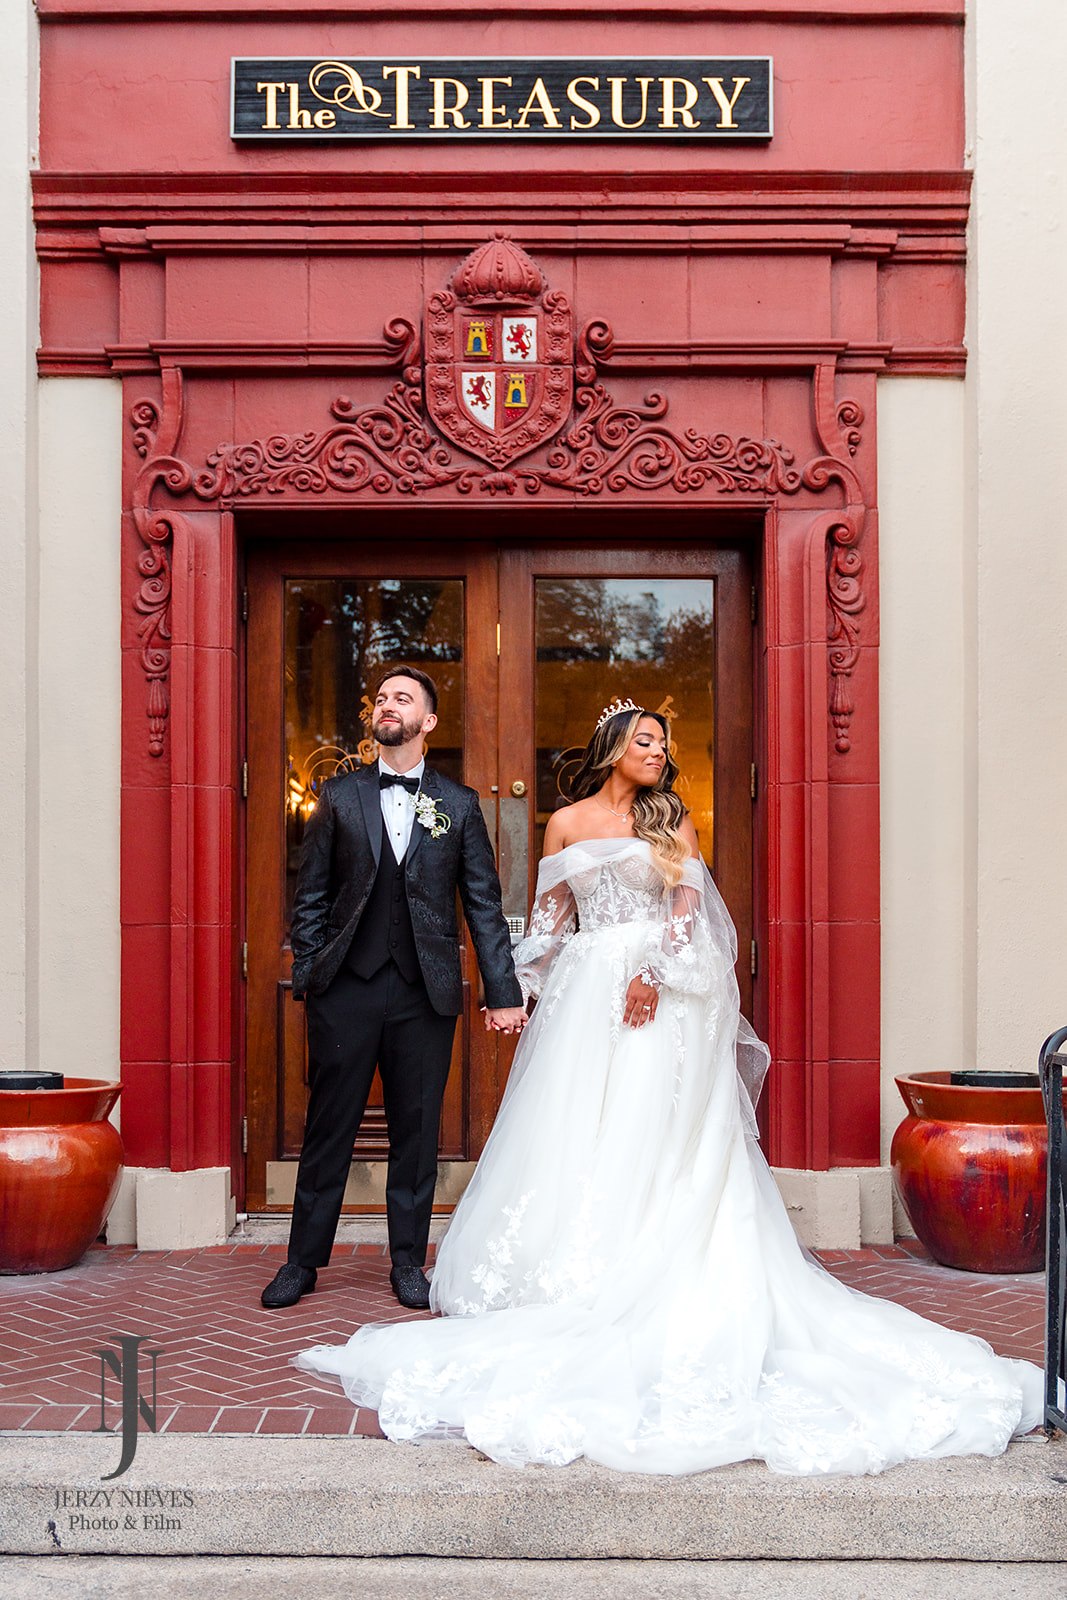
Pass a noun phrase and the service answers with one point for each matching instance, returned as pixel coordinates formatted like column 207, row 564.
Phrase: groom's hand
column 505, row 1019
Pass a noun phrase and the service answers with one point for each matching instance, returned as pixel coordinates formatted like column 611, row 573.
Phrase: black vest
column 385, row 932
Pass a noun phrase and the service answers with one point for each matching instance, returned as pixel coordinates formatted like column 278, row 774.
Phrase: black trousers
column 360, row 1023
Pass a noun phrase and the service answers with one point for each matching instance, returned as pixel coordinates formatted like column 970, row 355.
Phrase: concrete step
column 195, row 1495
column 433, row 1578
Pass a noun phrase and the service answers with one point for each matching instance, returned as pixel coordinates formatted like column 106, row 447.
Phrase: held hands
column 505, row 1019
column 641, row 1003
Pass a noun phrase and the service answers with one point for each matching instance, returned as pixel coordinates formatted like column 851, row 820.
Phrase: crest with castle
column 499, row 355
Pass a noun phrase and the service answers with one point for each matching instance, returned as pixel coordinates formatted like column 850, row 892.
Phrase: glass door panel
column 340, row 636
column 669, row 626
column 598, row 639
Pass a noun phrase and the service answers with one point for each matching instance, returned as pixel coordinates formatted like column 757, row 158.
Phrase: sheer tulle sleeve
column 553, row 919
column 690, row 953
column 693, row 954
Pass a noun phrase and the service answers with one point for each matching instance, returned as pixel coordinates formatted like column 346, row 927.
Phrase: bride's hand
column 641, row 1002
column 505, row 1019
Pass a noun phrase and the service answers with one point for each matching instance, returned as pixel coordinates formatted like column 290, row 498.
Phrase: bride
column 620, row 1279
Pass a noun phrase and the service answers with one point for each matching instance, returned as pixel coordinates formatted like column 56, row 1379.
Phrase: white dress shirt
column 398, row 808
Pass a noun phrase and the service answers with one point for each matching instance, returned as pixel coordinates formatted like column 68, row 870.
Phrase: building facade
column 565, row 381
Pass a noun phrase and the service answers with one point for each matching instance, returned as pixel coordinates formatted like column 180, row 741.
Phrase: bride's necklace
column 622, row 815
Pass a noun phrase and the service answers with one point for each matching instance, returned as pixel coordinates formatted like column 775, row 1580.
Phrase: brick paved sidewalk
column 225, row 1363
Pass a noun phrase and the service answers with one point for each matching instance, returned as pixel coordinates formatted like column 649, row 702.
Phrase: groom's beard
column 394, row 733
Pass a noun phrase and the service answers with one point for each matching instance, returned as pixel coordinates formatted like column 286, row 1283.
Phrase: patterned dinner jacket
column 342, row 846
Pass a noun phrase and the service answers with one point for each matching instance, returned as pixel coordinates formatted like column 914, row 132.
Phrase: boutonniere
column 426, row 812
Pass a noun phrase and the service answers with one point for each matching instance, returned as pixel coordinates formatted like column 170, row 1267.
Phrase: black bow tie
column 386, row 780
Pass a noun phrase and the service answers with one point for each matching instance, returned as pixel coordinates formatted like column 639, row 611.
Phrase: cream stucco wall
column 18, row 296
column 59, row 664
column 1017, row 421
column 77, row 703
column 926, row 547
column 973, row 573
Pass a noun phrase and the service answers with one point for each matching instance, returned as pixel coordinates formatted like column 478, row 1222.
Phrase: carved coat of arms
column 499, row 355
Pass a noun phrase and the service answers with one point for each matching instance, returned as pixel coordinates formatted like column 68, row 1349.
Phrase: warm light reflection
column 340, row 633
column 598, row 638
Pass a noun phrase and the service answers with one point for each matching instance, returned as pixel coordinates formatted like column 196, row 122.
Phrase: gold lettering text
column 538, row 101
column 726, row 106
column 272, row 91
column 490, row 112
column 325, row 118
column 439, row 110
column 298, row 118
column 402, row 74
column 582, row 103
column 616, row 102
column 671, row 110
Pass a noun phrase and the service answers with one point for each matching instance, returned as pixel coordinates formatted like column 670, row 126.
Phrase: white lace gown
column 620, row 1280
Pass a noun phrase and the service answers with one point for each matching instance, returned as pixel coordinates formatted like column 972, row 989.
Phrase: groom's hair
column 429, row 688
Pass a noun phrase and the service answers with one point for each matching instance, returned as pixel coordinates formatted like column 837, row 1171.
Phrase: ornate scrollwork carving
column 155, row 438
column 839, row 431
column 392, row 448
column 850, row 422
column 615, row 448
column 386, row 448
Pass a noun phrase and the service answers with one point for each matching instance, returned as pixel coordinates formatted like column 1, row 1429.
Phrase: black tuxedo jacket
column 342, row 847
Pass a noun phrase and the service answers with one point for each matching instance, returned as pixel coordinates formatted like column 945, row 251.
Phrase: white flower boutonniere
column 426, row 812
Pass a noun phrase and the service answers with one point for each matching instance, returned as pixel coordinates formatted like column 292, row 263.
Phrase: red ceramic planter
column 60, row 1163
column 969, row 1165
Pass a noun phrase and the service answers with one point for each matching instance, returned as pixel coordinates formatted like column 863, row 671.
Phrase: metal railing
column 1051, row 1064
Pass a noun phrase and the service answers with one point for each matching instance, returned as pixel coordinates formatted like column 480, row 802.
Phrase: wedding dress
column 620, row 1279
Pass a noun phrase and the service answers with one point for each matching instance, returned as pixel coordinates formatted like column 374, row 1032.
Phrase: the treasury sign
column 303, row 97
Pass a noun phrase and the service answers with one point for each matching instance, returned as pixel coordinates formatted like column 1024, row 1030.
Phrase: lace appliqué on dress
column 553, row 919
column 491, row 1275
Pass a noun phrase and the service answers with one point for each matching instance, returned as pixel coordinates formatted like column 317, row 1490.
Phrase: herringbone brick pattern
column 225, row 1362
column 1008, row 1311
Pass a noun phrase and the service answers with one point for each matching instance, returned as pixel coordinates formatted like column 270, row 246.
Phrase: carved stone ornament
column 499, row 323
column 499, row 355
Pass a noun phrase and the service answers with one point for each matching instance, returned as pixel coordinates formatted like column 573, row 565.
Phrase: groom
column 376, row 954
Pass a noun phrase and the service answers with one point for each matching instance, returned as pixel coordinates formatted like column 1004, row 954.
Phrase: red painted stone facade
column 757, row 290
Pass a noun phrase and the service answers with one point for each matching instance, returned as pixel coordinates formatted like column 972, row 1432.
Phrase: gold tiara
column 616, row 709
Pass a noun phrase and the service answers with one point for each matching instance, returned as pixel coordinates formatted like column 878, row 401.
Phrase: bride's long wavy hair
column 657, row 811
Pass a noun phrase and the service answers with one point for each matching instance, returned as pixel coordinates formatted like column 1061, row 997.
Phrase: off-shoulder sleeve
column 553, row 919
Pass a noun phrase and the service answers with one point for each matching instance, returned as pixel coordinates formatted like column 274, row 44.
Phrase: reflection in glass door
column 340, row 636
column 670, row 627
column 651, row 640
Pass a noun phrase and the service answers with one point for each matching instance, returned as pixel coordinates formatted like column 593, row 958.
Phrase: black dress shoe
column 411, row 1287
column 288, row 1285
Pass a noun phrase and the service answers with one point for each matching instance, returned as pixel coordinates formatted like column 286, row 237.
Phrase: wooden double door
column 527, row 645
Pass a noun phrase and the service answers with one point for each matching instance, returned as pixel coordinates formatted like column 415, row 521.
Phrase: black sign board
column 304, row 97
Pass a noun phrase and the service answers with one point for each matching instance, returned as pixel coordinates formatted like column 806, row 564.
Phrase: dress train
column 620, row 1280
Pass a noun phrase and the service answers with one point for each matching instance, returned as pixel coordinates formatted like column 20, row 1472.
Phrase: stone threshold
column 430, row 1577
column 190, row 1495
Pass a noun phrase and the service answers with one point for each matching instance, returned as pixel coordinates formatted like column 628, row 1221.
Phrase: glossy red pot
column 60, row 1164
column 969, row 1164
